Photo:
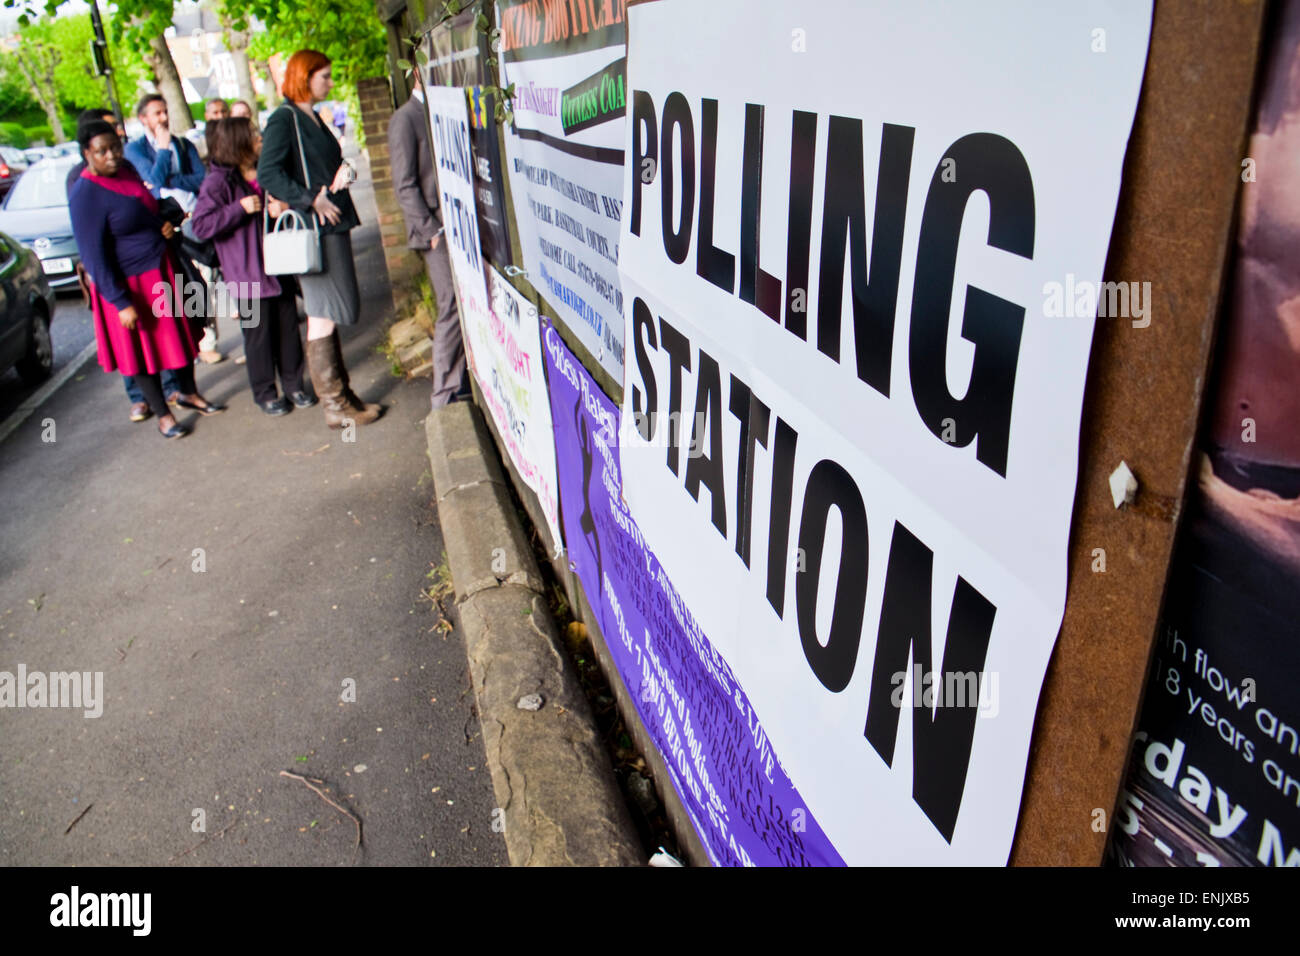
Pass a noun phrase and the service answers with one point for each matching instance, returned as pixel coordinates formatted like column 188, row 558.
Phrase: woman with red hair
column 302, row 165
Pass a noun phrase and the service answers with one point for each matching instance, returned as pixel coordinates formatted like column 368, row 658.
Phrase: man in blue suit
column 170, row 166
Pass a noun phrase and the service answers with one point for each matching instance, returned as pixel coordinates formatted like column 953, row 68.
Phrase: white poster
column 507, row 351
column 502, row 343
column 564, row 153
column 854, row 381
column 455, row 158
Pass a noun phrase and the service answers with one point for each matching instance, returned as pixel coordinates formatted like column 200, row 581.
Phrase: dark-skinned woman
column 123, row 245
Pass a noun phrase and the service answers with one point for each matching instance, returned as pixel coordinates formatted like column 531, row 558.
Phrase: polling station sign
column 454, row 157
column 850, row 424
column 729, row 779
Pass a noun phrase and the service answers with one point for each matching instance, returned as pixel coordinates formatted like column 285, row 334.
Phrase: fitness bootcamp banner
column 851, row 408
column 565, row 156
column 725, row 770
column 1215, row 772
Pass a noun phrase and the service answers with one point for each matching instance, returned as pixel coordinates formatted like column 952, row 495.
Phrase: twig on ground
column 78, row 820
column 305, row 454
column 220, row 832
column 310, row 783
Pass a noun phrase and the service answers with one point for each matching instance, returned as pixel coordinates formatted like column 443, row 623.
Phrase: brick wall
column 403, row 265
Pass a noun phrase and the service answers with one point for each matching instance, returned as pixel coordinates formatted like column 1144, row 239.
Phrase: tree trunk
column 40, row 76
column 272, row 93
column 237, row 43
column 169, row 85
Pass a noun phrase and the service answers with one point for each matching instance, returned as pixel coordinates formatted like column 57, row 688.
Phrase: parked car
column 36, row 214
column 68, row 149
column 26, row 308
column 35, row 154
column 12, row 165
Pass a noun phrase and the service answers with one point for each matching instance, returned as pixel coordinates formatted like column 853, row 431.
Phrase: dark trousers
column 168, row 383
column 271, row 344
column 151, row 387
column 450, row 376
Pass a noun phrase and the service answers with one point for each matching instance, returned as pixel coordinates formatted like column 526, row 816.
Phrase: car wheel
column 38, row 363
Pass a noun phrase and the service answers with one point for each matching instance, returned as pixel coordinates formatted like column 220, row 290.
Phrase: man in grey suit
column 416, row 186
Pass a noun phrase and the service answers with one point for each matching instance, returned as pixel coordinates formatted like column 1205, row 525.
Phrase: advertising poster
column 853, row 392
column 565, row 157
column 507, row 361
column 449, row 127
column 723, row 766
column 1215, row 773
column 457, row 54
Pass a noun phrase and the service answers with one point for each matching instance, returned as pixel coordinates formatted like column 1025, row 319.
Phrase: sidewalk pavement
column 232, row 588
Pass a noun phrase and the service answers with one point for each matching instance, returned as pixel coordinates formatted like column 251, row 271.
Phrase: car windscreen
column 41, row 187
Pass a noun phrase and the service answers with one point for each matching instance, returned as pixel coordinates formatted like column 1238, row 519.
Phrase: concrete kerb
column 550, row 772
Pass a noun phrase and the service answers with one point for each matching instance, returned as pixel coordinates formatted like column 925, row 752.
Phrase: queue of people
column 131, row 202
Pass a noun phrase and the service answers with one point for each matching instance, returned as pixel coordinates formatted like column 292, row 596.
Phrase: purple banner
column 744, row 807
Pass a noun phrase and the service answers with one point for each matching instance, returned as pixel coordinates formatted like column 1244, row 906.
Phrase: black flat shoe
column 277, row 406
column 211, row 408
column 303, row 399
column 176, row 431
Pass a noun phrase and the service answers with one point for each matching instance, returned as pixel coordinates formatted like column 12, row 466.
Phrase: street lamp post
column 103, row 64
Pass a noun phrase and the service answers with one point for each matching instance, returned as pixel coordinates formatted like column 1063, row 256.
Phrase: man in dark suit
column 416, row 186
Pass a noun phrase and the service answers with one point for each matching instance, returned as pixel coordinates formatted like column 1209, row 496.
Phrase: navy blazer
column 155, row 167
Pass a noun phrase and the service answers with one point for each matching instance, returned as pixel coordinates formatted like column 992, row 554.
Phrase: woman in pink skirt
column 123, row 245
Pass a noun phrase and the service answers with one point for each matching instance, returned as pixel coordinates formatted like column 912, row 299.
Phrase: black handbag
column 202, row 251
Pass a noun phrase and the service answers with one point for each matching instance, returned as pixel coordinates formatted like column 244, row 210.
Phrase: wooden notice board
column 1173, row 228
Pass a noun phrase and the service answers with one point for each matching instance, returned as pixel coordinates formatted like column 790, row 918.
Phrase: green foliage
column 42, row 133
column 16, row 100
column 349, row 32
column 12, row 134
column 133, row 23
column 79, row 88
column 67, row 41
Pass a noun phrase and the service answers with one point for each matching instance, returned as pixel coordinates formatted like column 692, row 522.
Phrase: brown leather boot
column 330, row 380
column 354, row 402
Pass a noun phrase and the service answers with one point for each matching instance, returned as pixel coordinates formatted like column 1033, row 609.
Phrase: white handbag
column 294, row 250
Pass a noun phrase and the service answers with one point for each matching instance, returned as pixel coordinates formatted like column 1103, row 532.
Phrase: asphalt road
column 71, row 332
column 223, row 667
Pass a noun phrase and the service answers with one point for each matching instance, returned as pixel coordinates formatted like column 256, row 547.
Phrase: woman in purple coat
column 229, row 212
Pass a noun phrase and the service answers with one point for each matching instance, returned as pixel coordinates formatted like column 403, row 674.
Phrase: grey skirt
column 332, row 292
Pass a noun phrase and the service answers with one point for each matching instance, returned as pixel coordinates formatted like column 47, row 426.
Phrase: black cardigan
column 279, row 170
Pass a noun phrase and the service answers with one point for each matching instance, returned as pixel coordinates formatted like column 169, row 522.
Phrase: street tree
column 236, row 38
column 142, row 25
column 38, row 57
